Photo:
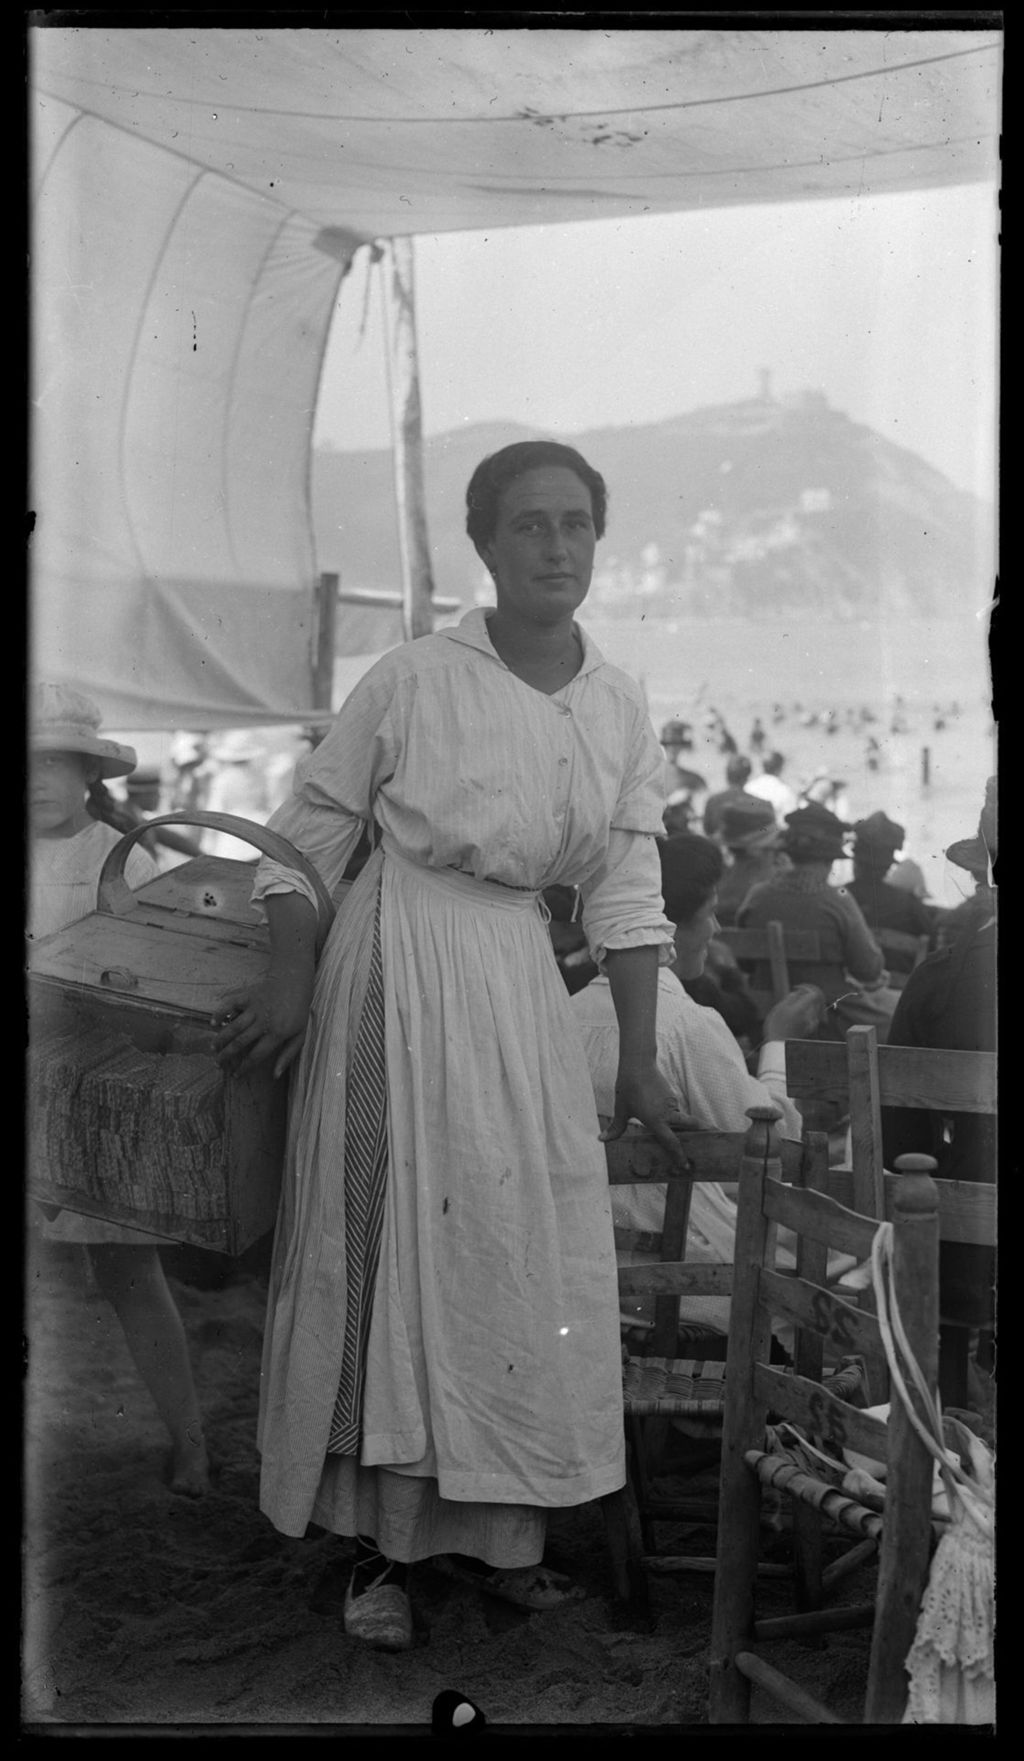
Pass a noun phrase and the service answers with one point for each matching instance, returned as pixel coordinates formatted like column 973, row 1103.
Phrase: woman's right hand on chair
column 266, row 1019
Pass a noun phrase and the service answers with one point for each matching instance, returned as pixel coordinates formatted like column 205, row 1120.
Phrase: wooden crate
column 129, row 1116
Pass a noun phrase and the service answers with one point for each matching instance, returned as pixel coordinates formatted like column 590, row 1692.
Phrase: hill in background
column 744, row 510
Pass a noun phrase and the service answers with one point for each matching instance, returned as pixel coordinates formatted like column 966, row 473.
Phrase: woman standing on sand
column 442, row 1361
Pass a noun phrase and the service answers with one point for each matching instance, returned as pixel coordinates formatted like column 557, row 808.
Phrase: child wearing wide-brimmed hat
column 68, row 755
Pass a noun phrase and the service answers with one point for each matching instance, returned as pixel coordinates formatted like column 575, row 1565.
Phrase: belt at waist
column 455, row 882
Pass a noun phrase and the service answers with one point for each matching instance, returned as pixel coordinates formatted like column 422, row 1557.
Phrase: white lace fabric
column 951, row 1663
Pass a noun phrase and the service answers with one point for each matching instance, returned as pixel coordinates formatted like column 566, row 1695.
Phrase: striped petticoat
column 366, row 1175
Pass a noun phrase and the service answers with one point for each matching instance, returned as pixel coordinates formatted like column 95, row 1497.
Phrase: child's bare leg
column 132, row 1280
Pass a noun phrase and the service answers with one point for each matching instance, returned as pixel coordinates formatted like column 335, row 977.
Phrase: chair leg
column 735, row 1583
column 808, row 1555
column 625, row 1548
column 638, row 1470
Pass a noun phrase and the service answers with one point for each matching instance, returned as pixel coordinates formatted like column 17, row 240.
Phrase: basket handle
column 115, row 897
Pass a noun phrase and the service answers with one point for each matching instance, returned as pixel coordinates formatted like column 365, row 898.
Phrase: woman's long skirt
column 442, row 1360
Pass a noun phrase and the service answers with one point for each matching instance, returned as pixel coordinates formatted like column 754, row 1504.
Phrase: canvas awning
column 198, row 196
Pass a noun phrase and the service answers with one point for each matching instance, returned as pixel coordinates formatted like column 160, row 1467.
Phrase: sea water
column 743, row 667
column 910, row 673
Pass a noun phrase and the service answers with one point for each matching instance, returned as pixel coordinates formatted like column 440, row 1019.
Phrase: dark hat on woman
column 748, row 823
column 977, row 854
column 813, row 834
column 878, row 832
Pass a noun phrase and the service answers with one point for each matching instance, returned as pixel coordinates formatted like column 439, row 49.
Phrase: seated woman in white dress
column 701, row 1060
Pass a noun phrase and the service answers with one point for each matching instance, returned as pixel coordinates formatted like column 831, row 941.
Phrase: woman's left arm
column 641, row 1091
column 862, row 957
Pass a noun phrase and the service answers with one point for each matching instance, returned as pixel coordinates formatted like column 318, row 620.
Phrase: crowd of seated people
column 697, row 1050
column 722, row 1057
column 755, row 864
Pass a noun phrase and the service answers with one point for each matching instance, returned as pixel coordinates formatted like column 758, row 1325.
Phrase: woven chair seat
column 673, row 1387
column 669, row 1387
column 786, row 1475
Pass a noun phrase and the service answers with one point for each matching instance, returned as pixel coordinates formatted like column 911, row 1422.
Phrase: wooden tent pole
column 407, row 441
column 325, row 623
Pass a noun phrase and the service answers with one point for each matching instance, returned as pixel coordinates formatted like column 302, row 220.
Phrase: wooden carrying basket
column 129, row 1116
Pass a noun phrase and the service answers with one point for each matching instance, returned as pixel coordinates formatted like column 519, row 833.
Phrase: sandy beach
column 150, row 1612
column 146, row 1611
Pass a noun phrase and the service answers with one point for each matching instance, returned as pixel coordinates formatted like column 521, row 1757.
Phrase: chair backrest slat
column 967, row 1209
column 908, row 1076
column 676, row 1278
column 849, row 1331
column 816, row 1411
column 776, row 948
column 816, row 1215
column 636, row 1157
column 755, row 944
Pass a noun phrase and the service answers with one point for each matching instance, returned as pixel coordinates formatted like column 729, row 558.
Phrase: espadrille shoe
column 381, row 1617
column 533, row 1588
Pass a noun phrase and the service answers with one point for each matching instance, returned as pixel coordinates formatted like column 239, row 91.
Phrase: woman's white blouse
column 464, row 766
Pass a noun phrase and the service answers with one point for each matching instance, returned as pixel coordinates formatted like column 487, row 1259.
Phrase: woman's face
column 58, row 782
column 542, row 552
column 694, row 937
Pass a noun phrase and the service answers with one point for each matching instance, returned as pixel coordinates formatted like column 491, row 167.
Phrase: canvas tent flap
column 198, row 197
column 180, row 322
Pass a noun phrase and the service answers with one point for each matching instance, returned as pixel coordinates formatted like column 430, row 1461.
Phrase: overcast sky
column 888, row 304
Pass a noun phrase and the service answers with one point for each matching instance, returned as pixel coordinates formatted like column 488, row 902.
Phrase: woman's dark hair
column 494, row 474
column 691, row 868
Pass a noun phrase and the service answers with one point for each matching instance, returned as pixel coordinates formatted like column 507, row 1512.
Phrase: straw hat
column 977, row 854
column 62, row 719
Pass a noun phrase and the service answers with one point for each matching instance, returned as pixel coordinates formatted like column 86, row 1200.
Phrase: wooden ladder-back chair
column 768, row 946
column 869, row 1077
column 792, row 957
column 897, row 941
column 757, row 1392
column 661, row 1384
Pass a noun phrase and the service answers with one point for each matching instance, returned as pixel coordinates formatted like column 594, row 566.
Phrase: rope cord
column 890, row 1321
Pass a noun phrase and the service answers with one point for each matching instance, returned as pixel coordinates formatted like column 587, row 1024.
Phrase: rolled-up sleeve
column 622, row 903
column 332, row 797
column 640, row 806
